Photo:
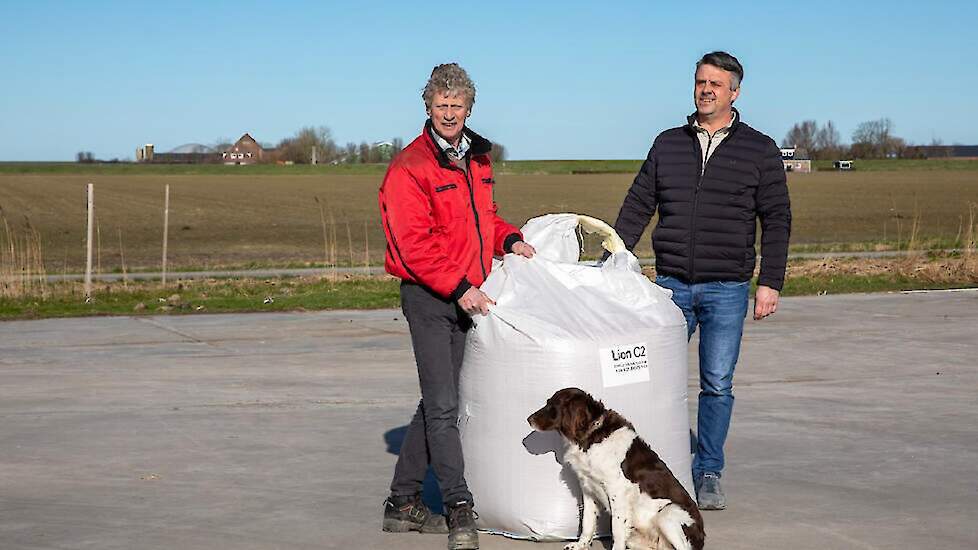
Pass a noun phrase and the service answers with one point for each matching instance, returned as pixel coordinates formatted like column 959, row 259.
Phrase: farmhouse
column 244, row 151
column 795, row 159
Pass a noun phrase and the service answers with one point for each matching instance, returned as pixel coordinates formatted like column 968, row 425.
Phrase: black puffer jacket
column 706, row 230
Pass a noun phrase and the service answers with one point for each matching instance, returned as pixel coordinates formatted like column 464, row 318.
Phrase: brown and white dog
column 616, row 468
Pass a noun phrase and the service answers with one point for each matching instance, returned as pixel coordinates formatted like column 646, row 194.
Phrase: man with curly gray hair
column 449, row 79
column 442, row 230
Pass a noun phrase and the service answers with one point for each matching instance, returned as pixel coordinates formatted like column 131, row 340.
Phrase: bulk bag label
column 625, row 364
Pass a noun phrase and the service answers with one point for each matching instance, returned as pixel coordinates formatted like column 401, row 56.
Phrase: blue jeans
column 718, row 309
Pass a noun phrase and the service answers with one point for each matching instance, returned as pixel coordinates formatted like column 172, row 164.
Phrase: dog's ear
column 596, row 409
column 570, row 419
column 583, row 415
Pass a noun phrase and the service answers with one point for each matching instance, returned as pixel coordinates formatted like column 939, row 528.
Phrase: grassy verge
column 886, row 165
column 206, row 296
column 805, row 277
column 566, row 167
column 849, row 284
column 918, row 272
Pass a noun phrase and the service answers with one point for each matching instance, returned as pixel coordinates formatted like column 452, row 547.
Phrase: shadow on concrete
column 430, row 492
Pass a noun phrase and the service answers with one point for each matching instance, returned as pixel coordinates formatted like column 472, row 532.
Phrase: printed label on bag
column 626, row 364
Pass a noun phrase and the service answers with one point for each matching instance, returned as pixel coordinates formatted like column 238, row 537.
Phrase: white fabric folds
column 559, row 323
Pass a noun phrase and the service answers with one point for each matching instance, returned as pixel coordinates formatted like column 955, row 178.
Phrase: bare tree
column 802, row 135
column 85, row 157
column 364, row 152
column 828, row 142
column 350, row 153
column 298, row 148
column 498, row 152
column 873, row 138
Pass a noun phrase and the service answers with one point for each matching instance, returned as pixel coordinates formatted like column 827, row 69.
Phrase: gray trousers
column 438, row 329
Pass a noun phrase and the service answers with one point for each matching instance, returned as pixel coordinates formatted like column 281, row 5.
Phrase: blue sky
column 555, row 80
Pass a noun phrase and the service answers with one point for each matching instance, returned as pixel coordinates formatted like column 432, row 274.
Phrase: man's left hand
column 765, row 302
column 523, row 249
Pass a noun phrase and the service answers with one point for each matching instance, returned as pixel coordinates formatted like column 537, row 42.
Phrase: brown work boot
column 409, row 513
column 461, row 527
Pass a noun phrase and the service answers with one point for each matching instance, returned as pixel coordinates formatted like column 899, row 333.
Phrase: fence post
column 166, row 226
column 88, row 243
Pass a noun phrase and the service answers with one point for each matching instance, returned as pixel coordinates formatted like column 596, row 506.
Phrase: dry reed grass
column 22, row 270
column 926, row 270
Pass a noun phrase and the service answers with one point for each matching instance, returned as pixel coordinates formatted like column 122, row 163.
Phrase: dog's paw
column 578, row 545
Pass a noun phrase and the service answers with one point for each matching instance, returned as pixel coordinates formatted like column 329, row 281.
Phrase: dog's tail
column 679, row 528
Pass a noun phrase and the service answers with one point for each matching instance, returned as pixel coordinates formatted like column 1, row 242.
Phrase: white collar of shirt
column 725, row 129
column 449, row 149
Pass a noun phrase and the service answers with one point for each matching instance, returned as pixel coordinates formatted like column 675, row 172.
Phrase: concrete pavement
column 856, row 426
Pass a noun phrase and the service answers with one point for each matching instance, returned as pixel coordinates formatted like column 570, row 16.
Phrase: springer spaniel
column 615, row 467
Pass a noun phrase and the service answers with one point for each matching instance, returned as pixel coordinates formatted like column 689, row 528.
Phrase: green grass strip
column 220, row 297
column 851, row 284
column 305, row 294
column 513, row 167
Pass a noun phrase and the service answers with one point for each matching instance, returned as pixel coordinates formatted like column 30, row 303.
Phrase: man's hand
column 523, row 249
column 475, row 301
column 765, row 302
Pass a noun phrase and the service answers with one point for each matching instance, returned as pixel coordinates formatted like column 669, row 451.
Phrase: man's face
column 448, row 114
column 712, row 93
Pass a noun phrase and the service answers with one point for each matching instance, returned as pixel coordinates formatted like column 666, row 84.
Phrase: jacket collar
column 479, row 146
column 733, row 126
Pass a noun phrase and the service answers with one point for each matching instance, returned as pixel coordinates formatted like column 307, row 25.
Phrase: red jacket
column 440, row 221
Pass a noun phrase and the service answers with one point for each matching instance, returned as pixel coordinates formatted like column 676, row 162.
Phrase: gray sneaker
column 709, row 494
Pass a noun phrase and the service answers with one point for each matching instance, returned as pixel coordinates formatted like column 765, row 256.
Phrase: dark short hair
column 727, row 62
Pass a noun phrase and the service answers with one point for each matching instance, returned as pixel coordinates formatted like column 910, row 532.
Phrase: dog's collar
column 595, row 426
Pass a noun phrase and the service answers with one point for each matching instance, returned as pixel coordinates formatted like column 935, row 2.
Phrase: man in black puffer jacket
column 711, row 180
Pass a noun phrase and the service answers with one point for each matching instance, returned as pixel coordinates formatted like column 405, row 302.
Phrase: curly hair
column 451, row 79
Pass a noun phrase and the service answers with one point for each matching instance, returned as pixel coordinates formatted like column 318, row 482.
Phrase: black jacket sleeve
column 774, row 212
column 639, row 205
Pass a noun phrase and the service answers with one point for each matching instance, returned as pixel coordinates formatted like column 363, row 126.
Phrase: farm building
column 795, row 159
column 949, row 151
column 244, row 151
column 145, row 153
column 191, row 153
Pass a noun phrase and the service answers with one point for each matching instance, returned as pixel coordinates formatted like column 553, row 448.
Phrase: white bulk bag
column 558, row 323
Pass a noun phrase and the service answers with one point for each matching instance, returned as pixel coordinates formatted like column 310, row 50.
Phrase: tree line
column 310, row 144
column 872, row 139
column 298, row 149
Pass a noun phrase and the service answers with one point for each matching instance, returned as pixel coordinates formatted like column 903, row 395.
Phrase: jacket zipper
column 696, row 193
column 475, row 212
column 696, row 201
